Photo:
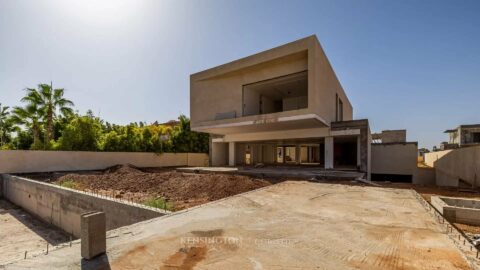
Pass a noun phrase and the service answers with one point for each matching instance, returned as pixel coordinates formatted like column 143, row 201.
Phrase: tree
column 29, row 116
column 49, row 101
column 185, row 140
column 83, row 133
column 4, row 113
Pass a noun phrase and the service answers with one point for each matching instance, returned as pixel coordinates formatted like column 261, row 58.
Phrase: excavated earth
column 183, row 190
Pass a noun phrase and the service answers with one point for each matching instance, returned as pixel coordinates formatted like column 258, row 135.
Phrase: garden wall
column 62, row 207
column 432, row 157
column 24, row 161
column 459, row 164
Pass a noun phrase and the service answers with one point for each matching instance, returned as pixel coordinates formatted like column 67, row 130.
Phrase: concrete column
column 231, row 153
column 328, row 152
column 297, row 154
column 93, row 234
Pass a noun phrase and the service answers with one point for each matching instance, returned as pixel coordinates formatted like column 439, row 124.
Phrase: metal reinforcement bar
column 459, row 238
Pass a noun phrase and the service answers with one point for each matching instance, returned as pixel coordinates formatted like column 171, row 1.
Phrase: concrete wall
column 219, row 89
column 431, row 157
column 459, row 164
column 18, row 161
column 394, row 136
column 224, row 93
column 425, row 176
column 459, row 210
column 62, row 207
column 398, row 158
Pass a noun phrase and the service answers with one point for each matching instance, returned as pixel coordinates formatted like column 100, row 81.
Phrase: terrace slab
column 291, row 225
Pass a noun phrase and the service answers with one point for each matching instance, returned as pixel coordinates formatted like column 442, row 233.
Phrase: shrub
column 68, row 184
column 159, row 202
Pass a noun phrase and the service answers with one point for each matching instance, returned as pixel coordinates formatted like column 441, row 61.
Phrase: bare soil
column 184, row 190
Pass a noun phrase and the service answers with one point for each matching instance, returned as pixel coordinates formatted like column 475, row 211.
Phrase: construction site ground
column 186, row 188
column 290, row 225
column 20, row 232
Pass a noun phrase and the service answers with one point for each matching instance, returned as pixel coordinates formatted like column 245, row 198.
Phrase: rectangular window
column 338, row 108
column 476, row 137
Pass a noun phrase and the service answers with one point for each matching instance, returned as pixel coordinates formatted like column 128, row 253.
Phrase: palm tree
column 49, row 101
column 3, row 122
column 30, row 116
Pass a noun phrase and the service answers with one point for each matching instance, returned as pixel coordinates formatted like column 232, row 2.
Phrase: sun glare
column 100, row 11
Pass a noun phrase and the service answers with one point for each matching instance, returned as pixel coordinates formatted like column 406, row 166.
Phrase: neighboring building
column 281, row 106
column 390, row 136
column 463, row 135
column 422, row 152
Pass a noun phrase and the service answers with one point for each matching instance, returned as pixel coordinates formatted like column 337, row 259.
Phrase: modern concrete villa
column 281, row 106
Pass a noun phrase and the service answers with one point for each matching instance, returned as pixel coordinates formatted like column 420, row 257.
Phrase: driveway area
column 291, row 225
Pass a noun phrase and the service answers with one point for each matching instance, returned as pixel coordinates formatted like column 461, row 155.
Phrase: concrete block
column 94, row 234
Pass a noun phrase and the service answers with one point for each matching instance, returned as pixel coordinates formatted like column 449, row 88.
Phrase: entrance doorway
column 345, row 152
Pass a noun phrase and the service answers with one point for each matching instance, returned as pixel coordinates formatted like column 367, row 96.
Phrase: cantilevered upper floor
column 288, row 87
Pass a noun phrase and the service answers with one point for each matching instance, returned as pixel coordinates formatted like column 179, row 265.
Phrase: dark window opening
column 338, row 108
column 280, row 94
column 397, row 178
column 476, row 137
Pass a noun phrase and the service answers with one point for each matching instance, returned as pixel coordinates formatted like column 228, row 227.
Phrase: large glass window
column 280, row 94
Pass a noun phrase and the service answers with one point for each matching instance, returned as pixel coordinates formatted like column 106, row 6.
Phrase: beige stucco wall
column 19, row 161
column 219, row 90
column 395, row 159
column 462, row 163
column 325, row 87
column 219, row 154
column 431, row 157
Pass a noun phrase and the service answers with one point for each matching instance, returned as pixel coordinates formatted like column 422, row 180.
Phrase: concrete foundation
column 62, row 207
column 94, row 234
column 458, row 210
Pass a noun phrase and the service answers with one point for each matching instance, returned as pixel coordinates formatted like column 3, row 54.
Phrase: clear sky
column 411, row 65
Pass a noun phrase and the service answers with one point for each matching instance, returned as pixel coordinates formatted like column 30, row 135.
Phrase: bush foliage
column 45, row 126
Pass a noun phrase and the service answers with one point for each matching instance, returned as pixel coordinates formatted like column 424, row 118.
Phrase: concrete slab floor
column 291, row 225
column 20, row 232
column 302, row 172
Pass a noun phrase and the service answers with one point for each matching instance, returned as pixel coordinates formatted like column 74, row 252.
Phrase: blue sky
column 412, row 65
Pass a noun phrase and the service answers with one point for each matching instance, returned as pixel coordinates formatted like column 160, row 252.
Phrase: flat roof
column 294, row 225
column 462, row 126
column 291, row 48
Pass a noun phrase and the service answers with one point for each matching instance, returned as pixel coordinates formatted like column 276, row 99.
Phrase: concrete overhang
column 261, row 123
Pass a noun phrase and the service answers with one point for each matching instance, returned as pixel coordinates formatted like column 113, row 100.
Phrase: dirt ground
column 20, row 232
column 183, row 190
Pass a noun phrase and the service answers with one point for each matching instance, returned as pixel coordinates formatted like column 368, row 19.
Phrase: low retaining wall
column 62, row 207
column 458, row 210
column 20, row 161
